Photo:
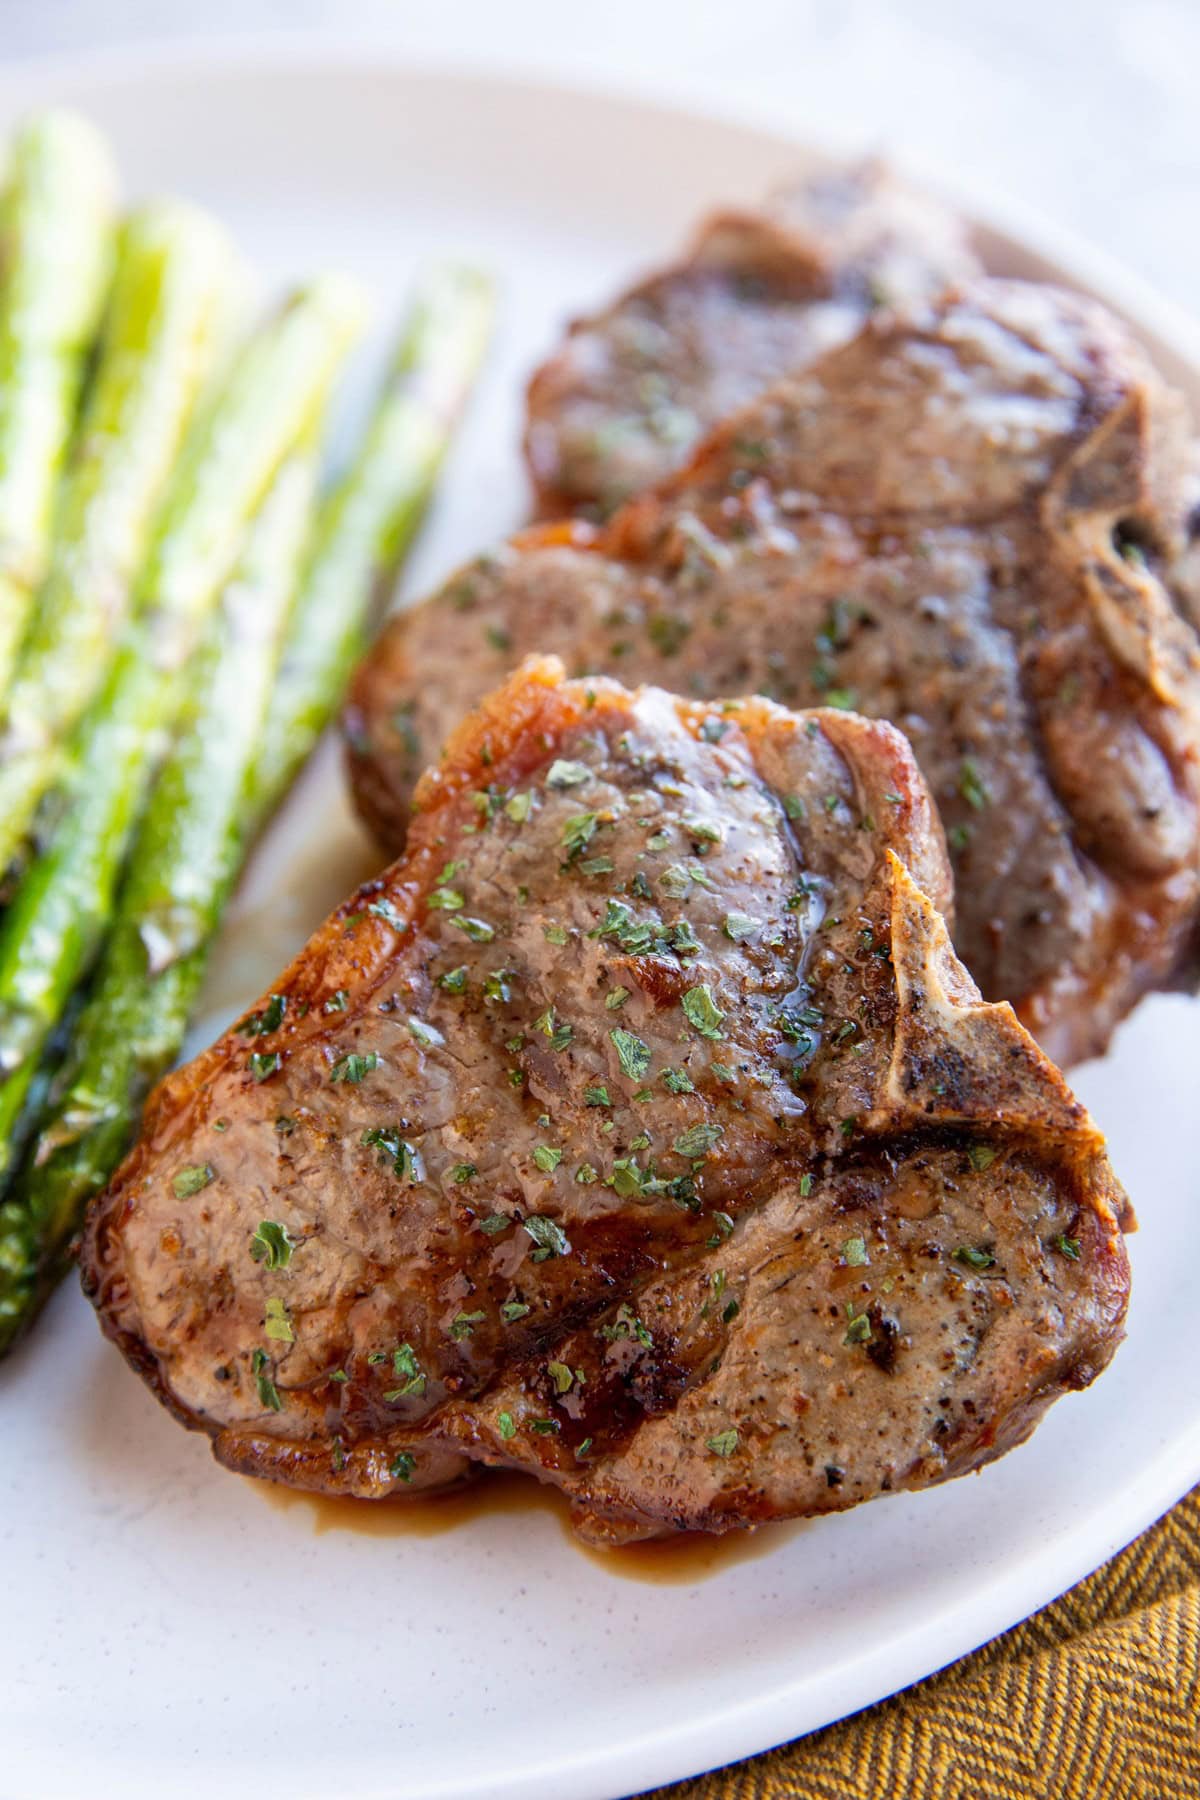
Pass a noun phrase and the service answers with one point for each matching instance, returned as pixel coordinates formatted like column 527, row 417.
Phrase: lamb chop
column 757, row 294
column 637, row 1129
column 956, row 522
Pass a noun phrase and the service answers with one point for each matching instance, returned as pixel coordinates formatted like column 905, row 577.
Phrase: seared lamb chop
column 759, row 293
column 953, row 522
column 637, row 1129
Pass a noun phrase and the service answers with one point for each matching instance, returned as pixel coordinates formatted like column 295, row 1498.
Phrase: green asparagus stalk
column 270, row 401
column 183, row 863
column 165, row 322
column 371, row 517
column 56, row 231
column 187, row 851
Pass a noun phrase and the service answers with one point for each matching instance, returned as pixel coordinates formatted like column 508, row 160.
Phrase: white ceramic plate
column 169, row 1630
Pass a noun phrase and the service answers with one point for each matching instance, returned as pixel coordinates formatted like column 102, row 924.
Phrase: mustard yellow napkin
column 1096, row 1698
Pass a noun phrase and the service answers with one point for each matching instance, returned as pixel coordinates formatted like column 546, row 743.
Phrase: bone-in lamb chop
column 638, row 1129
column 955, row 522
column 758, row 293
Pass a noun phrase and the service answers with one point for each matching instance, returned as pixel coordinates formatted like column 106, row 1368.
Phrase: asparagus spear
column 268, row 403
column 186, row 852
column 56, row 218
column 184, row 861
column 165, row 320
column 371, row 517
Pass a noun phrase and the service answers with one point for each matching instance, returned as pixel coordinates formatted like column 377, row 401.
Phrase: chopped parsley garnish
column 563, row 774
column 858, row 1331
column 276, row 1322
column 561, row 1376
column 806, row 1186
column 465, row 1323
column 189, row 1181
column 698, row 1140
column 385, row 910
column 981, row 1156
column 505, row 1426
column 454, row 980
column 404, row 1158
column 854, row 1253
column 447, row 899
column 336, row 1003
column 478, row 930
column 354, row 1066
column 970, row 785
column 464, row 1172
column 261, row 1024
column 739, row 926
column 578, row 832
column 1067, row 1246
column 545, row 1427
column 548, row 1235
column 596, row 1096
column 794, row 806
column 632, row 1054
column 518, row 807
column 702, row 1011
column 547, row 1159
column 272, row 1245
column 512, row 1310
column 974, row 1258
column 403, row 1466
column 268, row 1393
column 263, row 1064
column 626, row 1324
column 724, row 1443
column 404, row 1362
column 555, row 934
column 677, row 1082
column 724, row 1225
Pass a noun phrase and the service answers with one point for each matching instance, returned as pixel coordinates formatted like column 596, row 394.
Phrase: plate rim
column 790, row 1710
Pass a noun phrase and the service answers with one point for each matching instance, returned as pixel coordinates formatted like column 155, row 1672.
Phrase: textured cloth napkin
column 1096, row 1698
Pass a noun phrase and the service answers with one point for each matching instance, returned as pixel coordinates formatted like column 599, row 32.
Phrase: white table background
column 1087, row 109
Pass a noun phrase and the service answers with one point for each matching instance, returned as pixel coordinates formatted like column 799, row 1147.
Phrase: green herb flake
column 806, row 1186
column 402, row 1467
column 970, row 785
column 447, row 899
column 268, row 1393
column 478, row 930
column 512, row 1310
column 676, row 1081
column 454, row 980
column 858, row 1331
column 517, row 808
column 616, row 998
column 189, row 1181
column 261, row 1024
column 276, row 1322
column 563, row 774
column 272, row 1245
column 724, row 1443
column 1066, row 1246
column 973, row 1257
column 555, row 934
column 724, row 1225
column 632, row 1054
column 384, row 909
column 336, row 1003
column 578, row 832
column 794, row 806
column 464, row 1324
column 354, row 1066
column 854, row 1253
column 698, row 1140
column 548, row 1235
column 981, row 1156
column 263, row 1064
column 561, row 1377
column 596, row 1096
column 702, row 1011
column 739, row 926
column 547, row 1159
column 505, row 1426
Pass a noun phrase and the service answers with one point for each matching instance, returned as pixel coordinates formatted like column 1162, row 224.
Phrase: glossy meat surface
column 637, row 1129
column 959, row 522
column 759, row 293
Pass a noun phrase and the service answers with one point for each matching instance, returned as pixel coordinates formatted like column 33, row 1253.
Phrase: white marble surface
column 1085, row 108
